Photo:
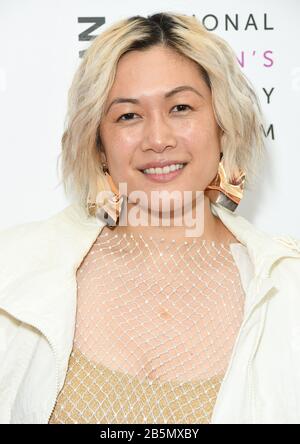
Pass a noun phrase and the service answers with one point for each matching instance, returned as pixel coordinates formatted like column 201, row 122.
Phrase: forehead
column 156, row 69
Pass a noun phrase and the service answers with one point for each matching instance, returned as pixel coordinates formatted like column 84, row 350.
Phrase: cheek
column 123, row 169
column 120, row 161
column 118, row 143
column 205, row 152
column 200, row 130
column 202, row 142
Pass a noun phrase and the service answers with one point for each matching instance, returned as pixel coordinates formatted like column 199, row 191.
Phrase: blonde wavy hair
column 236, row 107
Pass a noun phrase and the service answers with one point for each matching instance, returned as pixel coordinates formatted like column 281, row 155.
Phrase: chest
column 148, row 318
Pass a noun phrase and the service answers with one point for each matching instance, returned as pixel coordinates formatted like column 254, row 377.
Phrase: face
column 157, row 125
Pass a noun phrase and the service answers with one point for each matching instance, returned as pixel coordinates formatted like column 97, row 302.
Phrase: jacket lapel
column 41, row 288
column 262, row 247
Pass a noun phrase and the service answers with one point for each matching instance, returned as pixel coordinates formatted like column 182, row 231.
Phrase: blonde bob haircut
column 235, row 104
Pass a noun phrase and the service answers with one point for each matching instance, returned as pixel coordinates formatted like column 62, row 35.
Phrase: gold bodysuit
column 155, row 327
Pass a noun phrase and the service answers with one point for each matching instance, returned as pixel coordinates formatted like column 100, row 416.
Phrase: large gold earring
column 108, row 204
column 224, row 192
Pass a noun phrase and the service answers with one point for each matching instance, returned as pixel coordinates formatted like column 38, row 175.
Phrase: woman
column 142, row 322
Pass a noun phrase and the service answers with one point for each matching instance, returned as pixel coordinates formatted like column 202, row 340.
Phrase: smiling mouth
column 164, row 177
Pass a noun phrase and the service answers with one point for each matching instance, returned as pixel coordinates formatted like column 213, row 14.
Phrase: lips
column 160, row 164
column 164, row 177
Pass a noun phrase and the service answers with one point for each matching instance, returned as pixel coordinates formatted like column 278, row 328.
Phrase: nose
column 158, row 134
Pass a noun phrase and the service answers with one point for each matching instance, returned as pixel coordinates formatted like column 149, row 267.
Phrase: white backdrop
column 40, row 50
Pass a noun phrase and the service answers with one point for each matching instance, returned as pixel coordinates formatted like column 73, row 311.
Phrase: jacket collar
column 40, row 290
column 263, row 249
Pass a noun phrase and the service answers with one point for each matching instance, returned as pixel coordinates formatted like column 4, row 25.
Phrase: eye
column 184, row 106
column 127, row 114
column 132, row 114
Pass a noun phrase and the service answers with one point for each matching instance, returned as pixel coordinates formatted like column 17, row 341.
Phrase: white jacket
column 38, row 289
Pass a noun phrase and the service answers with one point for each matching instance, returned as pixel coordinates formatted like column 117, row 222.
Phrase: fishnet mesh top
column 155, row 327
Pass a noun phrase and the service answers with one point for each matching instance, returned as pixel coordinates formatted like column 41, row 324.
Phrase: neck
column 211, row 228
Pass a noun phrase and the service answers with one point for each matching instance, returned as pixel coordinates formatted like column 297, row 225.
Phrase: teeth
column 164, row 170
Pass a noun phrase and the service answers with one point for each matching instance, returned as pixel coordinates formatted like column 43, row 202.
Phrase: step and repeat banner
column 42, row 43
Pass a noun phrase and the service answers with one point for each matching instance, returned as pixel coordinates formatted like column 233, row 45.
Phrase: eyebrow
column 166, row 96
